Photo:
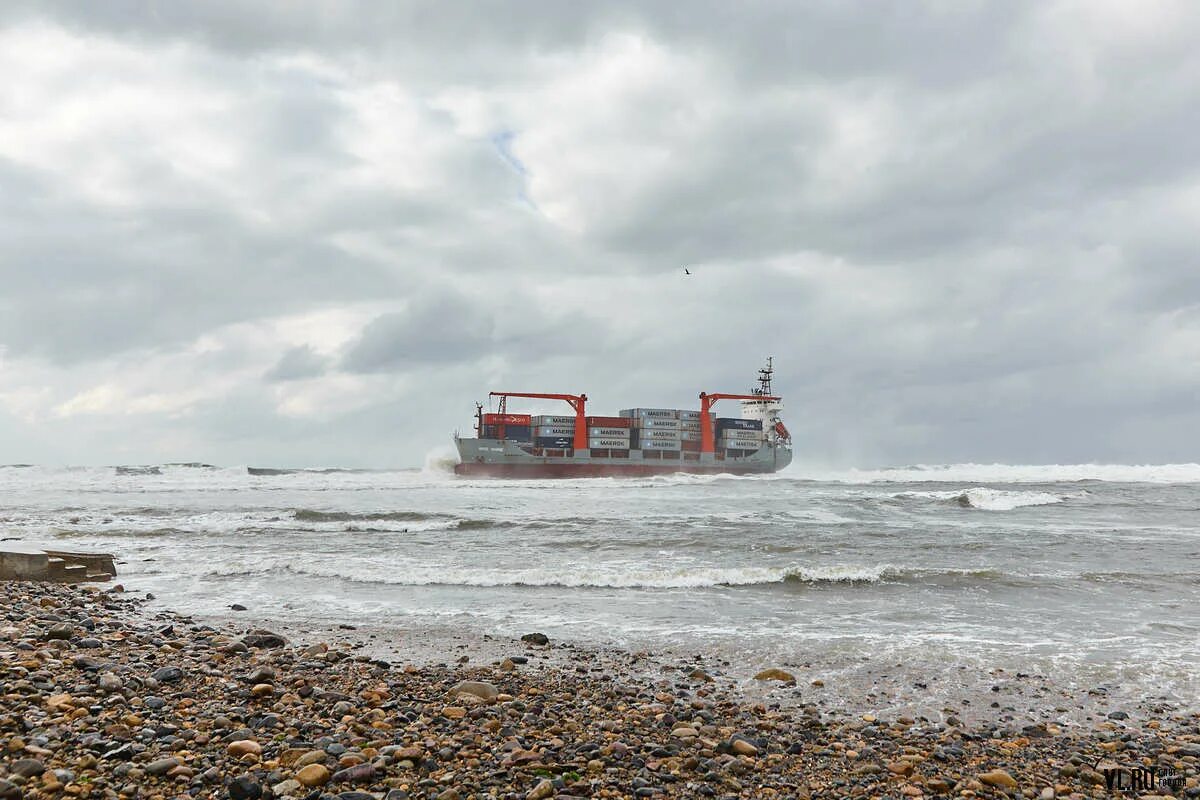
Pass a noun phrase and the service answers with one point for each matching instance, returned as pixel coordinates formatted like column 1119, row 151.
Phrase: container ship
column 635, row 442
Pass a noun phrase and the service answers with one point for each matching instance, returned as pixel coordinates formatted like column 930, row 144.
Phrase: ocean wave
column 985, row 499
column 313, row 515
column 1007, row 473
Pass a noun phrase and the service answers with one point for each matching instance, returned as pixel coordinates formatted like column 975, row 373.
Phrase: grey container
column 605, row 443
column 659, row 445
column 659, row 435
column 649, row 413
column 654, row 423
column 554, row 430
column 555, row 421
column 610, row 433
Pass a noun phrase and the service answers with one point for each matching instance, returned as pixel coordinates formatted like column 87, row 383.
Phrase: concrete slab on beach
column 22, row 561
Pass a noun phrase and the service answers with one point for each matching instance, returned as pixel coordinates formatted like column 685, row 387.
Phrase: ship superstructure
column 637, row 441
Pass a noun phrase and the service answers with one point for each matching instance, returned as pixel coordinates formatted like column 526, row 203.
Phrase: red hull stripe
column 593, row 470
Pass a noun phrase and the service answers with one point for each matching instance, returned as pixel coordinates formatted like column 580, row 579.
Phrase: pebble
column 313, row 775
column 774, row 674
column 334, row 722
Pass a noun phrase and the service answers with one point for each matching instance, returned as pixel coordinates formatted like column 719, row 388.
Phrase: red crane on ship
column 576, row 401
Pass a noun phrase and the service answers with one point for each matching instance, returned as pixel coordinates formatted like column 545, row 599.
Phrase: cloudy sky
column 314, row 233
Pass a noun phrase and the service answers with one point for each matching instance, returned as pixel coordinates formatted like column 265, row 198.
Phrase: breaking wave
column 312, row 515
column 1009, row 473
column 615, row 578
column 986, row 499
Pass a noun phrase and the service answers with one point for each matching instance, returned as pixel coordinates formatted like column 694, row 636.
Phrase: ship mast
column 764, row 378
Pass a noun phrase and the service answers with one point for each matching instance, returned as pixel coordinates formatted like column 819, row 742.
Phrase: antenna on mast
column 764, row 377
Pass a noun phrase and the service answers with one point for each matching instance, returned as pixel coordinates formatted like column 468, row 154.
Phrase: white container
column 659, row 445
column 654, row 423
column 689, row 416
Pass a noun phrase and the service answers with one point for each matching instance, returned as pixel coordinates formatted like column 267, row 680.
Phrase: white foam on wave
column 986, row 499
column 599, row 577
column 1009, row 473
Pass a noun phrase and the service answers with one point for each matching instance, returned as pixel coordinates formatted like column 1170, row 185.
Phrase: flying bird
column 686, row 271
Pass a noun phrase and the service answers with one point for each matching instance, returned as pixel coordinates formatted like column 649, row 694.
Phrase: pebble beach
column 103, row 696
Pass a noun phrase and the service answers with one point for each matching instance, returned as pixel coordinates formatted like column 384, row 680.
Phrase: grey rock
column 264, row 640
column 244, row 788
column 536, row 638
column 167, row 674
column 162, row 766
column 61, row 630
column 153, row 702
column 27, row 768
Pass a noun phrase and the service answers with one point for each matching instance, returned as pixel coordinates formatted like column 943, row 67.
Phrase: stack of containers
column 609, row 433
column 739, row 434
column 689, row 431
column 655, row 430
column 554, row 432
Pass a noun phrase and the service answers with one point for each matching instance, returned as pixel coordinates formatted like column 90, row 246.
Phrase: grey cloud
column 296, row 364
column 433, row 330
column 1000, row 267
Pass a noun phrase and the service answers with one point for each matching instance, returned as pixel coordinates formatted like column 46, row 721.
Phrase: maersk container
column 689, row 436
column 659, row 435
column 745, row 433
column 609, row 422
column 659, row 445
column 555, row 442
column 554, row 430
column 555, row 421
column 738, row 422
column 747, row 436
column 650, row 413
column 604, row 442
column 689, row 416
column 654, row 423
column 616, row 433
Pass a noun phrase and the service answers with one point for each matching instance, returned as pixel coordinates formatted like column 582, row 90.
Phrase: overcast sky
column 315, row 233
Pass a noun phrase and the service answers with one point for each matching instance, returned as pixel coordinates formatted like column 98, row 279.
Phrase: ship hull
column 490, row 458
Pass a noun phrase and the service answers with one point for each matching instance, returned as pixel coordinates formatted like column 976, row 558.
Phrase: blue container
column 554, row 442
column 735, row 422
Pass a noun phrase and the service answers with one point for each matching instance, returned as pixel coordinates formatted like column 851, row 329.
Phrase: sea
column 920, row 586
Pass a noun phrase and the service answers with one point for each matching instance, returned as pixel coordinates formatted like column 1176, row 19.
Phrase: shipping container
column 599, row 453
column 604, row 442
column 689, row 436
column 658, row 444
column 554, row 430
column 690, row 445
column 609, row 422
column 621, row 433
column 653, row 423
column 737, row 422
column 559, row 442
column 656, row 435
column 548, row 419
column 740, row 433
column 689, row 416
column 507, row 419
column 649, row 413
column 619, row 453
column 519, row 432
column 689, row 425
